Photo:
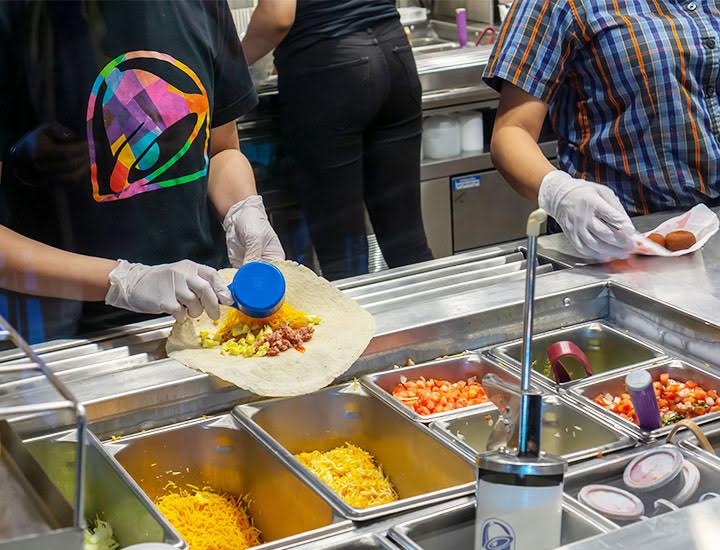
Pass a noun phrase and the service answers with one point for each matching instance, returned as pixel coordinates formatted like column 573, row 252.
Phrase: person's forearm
column 35, row 268
column 270, row 23
column 520, row 160
column 231, row 180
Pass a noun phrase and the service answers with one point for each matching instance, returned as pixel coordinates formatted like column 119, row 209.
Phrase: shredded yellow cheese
column 353, row 474
column 285, row 315
column 208, row 520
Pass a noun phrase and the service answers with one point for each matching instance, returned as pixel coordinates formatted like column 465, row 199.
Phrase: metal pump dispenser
column 519, row 492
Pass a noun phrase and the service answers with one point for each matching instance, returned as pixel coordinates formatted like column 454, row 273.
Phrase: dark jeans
column 352, row 118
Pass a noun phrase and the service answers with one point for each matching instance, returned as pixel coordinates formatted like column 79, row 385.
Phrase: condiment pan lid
column 691, row 477
column 612, row 502
column 653, row 469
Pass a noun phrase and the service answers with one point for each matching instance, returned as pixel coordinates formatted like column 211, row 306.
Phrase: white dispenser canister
column 519, row 502
column 441, row 137
column 471, row 132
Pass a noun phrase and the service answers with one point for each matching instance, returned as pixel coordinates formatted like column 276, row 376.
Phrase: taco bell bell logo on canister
column 497, row 534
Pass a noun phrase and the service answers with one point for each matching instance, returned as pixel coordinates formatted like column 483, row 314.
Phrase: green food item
column 100, row 538
column 672, row 417
column 547, row 369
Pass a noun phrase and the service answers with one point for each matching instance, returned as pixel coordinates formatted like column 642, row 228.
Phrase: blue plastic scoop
column 258, row 289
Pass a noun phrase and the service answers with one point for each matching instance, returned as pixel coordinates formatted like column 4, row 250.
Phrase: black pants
column 352, row 117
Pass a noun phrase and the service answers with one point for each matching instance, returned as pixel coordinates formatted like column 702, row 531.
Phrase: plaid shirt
column 632, row 87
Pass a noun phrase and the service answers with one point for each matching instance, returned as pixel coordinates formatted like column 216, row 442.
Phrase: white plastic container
column 472, row 138
column 441, row 137
column 518, row 518
column 519, row 502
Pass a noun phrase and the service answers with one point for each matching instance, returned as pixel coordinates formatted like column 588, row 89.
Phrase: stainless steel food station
column 154, row 420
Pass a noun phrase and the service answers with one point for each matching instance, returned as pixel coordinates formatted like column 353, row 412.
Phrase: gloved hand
column 587, row 213
column 180, row 288
column 249, row 234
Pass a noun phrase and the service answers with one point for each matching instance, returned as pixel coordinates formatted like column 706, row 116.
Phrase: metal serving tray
column 609, row 471
column 606, row 348
column 452, row 369
column 615, row 385
column 455, row 528
column 568, row 431
column 217, row 452
column 34, row 515
column 422, row 469
column 110, row 494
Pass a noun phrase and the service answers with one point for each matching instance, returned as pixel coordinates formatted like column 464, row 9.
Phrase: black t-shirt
column 316, row 20
column 107, row 107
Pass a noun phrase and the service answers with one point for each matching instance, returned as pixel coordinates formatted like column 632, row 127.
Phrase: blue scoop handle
column 258, row 289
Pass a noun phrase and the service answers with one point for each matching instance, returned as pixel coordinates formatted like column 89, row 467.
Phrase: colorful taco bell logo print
column 497, row 534
column 148, row 126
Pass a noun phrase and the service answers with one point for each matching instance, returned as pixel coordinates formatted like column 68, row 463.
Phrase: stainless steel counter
column 128, row 384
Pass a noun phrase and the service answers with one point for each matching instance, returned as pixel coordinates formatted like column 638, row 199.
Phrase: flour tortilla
column 338, row 341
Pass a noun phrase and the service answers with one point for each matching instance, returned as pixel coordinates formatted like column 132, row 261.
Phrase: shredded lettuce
column 100, row 538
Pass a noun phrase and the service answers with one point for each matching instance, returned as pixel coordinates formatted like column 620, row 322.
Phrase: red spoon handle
column 558, row 351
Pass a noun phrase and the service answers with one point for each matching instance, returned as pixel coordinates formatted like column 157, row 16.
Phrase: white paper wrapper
column 702, row 221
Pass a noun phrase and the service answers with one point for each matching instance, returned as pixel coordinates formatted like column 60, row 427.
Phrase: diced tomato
column 685, row 398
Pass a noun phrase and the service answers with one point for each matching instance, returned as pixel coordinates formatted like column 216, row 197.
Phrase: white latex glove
column 248, row 233
column 181, row 288
column 587, row 213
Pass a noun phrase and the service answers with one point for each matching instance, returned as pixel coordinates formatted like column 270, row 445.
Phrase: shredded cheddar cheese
column 353, row 474
column 285, row 315
column 208, row 520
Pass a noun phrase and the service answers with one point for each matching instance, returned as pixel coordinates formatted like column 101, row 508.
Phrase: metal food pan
column 353, row 542
column 422, row 469
column 689, row 441
column 568, row 431
column 609, row 471
column 614, row 384
column 455, row 528
column 606, row 348
column 33, row 513
column 453, row 369
column 217, row 452
column 110, row 494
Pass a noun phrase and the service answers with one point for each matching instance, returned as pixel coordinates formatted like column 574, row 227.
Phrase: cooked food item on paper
column 208, row 520
column 429, row 396
column 657, row 238
column 679, row 240
column 353, row 474
column 315, row 336
column 676, row 400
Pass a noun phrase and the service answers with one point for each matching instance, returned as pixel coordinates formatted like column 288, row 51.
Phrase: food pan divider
column 418, row 463
column 220, row 452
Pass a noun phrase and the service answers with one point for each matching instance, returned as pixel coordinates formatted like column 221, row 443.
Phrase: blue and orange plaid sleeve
column 533, row 47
